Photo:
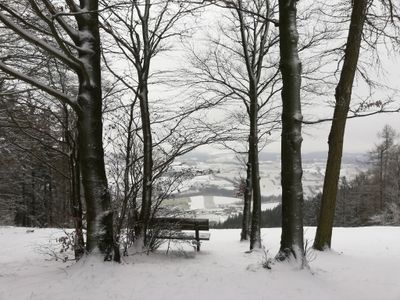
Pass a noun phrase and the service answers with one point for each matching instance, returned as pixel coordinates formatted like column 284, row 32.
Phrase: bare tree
column 73, row 39
column 362, row 14
column 242, row 68
column 343, row 96
column 164, row 126
column 388, row 135
column 138, row 34
column 385, row 167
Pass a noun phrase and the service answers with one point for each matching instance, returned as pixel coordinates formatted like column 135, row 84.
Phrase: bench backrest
column 180, row 223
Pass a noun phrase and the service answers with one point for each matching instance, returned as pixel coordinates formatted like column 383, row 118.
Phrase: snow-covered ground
column 364, row 265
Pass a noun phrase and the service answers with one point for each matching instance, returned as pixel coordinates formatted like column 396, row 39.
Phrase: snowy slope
column 226, row 170
column 365, row 265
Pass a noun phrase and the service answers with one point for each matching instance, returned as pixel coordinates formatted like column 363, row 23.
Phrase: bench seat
column 181, row 229
column 180, row 235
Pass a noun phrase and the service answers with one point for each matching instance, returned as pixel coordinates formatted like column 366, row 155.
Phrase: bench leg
column 198, row 240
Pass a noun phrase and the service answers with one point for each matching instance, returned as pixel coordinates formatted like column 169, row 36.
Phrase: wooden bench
column 176, row 228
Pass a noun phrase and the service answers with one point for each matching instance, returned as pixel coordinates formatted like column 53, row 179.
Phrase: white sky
column 360, row 136
column 361, row 133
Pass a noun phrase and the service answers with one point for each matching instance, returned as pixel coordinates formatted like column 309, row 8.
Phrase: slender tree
column 241, row 68
column 371, row 23
column 166, row 128
column 342, row 97
column 145, row 32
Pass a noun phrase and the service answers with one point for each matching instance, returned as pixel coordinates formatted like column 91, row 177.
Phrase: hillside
column 216, row 173
column 211, row 192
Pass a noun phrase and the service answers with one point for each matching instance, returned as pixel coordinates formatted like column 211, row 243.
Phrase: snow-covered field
column 226, row 171
column 212, row 202
column 272, row 205
column 365, row 264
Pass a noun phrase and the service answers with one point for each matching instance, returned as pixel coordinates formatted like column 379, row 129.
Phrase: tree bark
column 343, row 97
column 99, row 215
column 244, row 235
column 127, row 193
column 143, row 69
column 71, row 141
column 253, row 67
column 76, row 203
column 145, row 211
column 255, row 234
column 291, row 166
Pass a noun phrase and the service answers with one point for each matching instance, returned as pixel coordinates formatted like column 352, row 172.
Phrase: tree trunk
column 147, row 161
column 381, row 180
column 143, row 60
column 76, row 203
column 99, row 213
column 126, row 178
column 32, row 208
column 75, row 200
column 244, row 235
column 255, row 234
column 342, row 96
column 291, row 167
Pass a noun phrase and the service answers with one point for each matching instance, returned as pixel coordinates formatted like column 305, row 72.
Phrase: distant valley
column 211, row 192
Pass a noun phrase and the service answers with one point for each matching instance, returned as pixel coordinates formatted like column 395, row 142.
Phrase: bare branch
column 41, row 44
column 18, row 75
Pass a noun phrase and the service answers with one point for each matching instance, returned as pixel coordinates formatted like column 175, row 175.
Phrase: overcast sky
column 360, row 136
column 361, row 133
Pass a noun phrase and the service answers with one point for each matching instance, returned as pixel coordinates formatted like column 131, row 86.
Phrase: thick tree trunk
column 99, row 213
column 255, row 234
column 244, row 235
column 342, row 96
column 292, row 190
column 97, row 197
